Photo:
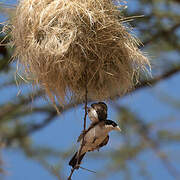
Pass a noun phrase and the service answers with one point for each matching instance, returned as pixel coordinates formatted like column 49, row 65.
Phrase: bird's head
column 111, row 125
column 98, row 111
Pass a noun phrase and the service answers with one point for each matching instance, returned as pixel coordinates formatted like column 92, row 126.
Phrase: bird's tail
column 73, row 161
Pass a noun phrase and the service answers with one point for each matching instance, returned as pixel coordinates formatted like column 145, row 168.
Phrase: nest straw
column 57, row 41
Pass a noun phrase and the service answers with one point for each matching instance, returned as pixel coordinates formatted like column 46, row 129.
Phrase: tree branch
column 155, row 80
column 144, row 131
column 13, row 107
column 84, row 129
column 163, row 33
column 52, row 112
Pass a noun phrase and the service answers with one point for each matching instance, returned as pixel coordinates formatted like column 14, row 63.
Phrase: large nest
column 60, row 41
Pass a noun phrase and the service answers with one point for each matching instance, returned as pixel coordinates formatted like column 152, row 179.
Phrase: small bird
column 97, row 112
column 94, row 138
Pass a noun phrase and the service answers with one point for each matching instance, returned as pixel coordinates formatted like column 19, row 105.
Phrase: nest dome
column 59, row 42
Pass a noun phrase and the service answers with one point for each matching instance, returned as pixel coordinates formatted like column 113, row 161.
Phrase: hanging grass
column 59, row 41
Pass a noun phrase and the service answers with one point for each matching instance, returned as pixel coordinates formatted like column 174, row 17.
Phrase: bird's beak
column 117, row 128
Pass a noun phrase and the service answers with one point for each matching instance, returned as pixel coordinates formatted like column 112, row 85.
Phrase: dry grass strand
column 57, row 40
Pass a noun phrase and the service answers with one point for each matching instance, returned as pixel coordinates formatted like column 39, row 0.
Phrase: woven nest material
column 60, row 41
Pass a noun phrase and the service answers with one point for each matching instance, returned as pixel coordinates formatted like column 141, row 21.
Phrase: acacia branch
column 155, row 80
column 52, row 113
column 9, row 108
column 144, row 131
column 163, row 33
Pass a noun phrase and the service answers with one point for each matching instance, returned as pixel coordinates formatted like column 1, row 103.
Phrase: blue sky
column 63, row 132
column 57, row 135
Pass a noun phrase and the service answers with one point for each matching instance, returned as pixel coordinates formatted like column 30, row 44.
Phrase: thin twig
column 87, row 169
column 84, row 129
column 143, row 130
column 130, row 18
column 164, row 159
column 33, row 128
column 72, row 171
column 85, row 116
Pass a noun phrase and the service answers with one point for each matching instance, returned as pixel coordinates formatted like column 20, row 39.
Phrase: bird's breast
column 94, row 138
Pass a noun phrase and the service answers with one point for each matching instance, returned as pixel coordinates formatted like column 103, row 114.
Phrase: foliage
column 159, row 30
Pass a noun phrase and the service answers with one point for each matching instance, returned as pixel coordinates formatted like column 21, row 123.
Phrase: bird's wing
column 81, row 136
column 84, row 132
column 105, row 141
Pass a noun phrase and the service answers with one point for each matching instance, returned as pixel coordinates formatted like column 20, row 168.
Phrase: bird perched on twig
column 96, row 136
column 97, row 112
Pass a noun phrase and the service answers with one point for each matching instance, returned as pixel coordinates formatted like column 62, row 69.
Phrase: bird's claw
column 77, row 166
column 84, row 131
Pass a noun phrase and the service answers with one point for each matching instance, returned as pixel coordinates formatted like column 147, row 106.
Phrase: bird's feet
column 77, row 166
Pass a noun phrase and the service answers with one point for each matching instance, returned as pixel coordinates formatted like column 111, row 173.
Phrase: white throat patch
column 109, row 126
column 93, row 113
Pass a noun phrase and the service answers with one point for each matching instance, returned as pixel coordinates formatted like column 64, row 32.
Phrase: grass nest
column 65, row 44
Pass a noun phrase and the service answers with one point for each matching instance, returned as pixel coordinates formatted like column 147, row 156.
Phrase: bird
column 94, row 138
column 97, row 112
